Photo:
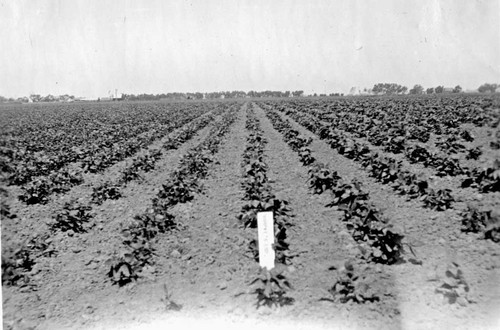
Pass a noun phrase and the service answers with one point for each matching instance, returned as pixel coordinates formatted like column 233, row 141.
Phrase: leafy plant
column 72, row 217
column 417, row 154
column 305, row 156
column 486, row 179
column 474, row 153
column 439, row 200
column 395, row 144
column 129, row 174
column 16, row 263
column 356, row 283
column 345, row 195
column 36, row 192
column 466, row 135
column 121, row 269
column 179, row 189
column 476, row 221
column 410, row 185
column 39, row 190
column 492, row 230
column 321, row 178
column 4, row 207
column 248, row 214
column 385, row 246
column 454, row 287
column 272, row 287
column 105, row 191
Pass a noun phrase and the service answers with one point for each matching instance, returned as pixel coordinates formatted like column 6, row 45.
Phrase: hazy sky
column 87, row 48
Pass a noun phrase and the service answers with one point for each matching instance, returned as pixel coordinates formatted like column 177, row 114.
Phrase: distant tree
column 298, row 93
column 439, row 90
column 49, row 98
column 35, row 97
column 401, row 89
column 417, row 90
column 430, row 90
column 457, row 89
column 485, row 88
column 389, row 89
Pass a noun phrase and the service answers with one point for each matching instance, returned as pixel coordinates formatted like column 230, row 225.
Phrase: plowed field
column 153, row 226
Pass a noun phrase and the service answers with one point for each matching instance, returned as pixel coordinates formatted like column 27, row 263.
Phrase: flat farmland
column 144, row 214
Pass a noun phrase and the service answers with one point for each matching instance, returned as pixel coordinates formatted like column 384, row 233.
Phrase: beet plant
column 474, row 153
column 105, row 191
column 356, row 283
column 486, row 222
column 271, row 288
column 129, row 174
column 72, row 217
column 321, row 178
column 454, row 287
column 120, row 269
column 17, row 262
column 36, row 192
column 439, row 200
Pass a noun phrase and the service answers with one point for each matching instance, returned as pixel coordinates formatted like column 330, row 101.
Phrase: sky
column 86, row 48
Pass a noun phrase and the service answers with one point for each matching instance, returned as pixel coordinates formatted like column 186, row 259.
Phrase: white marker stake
column 265, row 229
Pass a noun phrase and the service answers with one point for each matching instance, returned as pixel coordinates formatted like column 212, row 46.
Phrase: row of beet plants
column 39, row 190
column 389, row 171
column 271, row 285
column 384, row 169
column 21, row 256
column 394, row 140
column 75, row 215
column 102, row 144
column 17, row 261
column 146, row 162
column 378, row 242
column 139, row 233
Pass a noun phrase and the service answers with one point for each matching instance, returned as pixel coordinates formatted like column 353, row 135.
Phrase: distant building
column 111, row 97
column 118, row 97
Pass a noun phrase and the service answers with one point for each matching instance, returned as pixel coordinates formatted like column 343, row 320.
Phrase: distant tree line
column 488, row 88
column 38, row 98
column 396, row 89
column 378, row 89
column 389, row 89
column 212, row 95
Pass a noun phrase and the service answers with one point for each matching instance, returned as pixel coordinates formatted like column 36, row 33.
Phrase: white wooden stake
column 265, row 229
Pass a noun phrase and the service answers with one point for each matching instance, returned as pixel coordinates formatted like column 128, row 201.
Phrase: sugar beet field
column 136, row 215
